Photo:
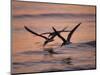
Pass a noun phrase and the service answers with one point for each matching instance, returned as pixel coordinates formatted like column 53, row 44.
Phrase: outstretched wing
column 72, row 31
column 34, row 32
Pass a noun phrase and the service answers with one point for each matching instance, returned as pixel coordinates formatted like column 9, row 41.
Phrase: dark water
column 82, row 56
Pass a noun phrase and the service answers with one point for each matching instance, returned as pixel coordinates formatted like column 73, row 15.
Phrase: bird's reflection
column 49, row 52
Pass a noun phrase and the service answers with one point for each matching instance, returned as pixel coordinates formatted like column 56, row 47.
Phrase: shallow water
column 28, row 54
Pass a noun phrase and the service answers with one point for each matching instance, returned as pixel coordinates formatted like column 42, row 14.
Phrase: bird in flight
column 52, row 35
column 66, row 41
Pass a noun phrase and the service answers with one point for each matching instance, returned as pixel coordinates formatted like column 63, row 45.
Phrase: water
column 28, row 53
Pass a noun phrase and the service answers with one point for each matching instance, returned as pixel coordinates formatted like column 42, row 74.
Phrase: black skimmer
column 52, row 35
column 66, row 41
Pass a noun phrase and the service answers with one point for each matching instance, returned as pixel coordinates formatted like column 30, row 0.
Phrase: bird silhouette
column 52, row 35
column 66, row 41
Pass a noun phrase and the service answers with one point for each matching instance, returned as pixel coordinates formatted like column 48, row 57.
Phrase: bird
column 66, row 41
column 52, row 35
